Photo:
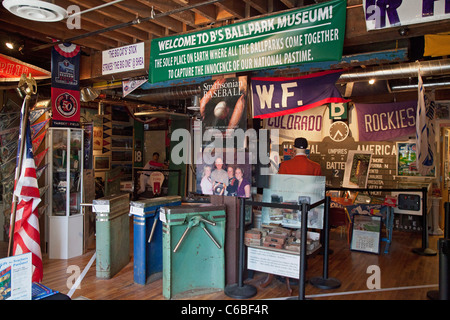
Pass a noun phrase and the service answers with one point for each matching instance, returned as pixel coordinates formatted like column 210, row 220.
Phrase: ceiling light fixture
column 36, row 10
column 371, row 81
column 9, row 45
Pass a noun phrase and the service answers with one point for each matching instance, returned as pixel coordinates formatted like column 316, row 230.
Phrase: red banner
column 11, row 69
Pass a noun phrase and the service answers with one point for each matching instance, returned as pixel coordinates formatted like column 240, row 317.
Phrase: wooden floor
column 404, row 275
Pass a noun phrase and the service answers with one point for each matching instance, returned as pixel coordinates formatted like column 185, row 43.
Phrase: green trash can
column 112, row 234
column 193, row 249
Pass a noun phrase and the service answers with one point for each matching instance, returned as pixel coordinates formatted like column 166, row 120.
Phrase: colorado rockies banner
column 66, row 85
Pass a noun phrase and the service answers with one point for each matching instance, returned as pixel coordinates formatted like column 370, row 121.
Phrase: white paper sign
column 282, row 264
column 127, row 58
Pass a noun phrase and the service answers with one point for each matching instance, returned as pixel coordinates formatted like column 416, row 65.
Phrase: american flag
column 26, row 229
column 425, row 133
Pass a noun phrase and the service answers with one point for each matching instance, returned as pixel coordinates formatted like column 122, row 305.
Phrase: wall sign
column 127, row 58
column 395, row 13
column 381, row 122
column 314, row 33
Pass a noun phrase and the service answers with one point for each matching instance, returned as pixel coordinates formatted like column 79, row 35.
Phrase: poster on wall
column 407, row 159
column 277, row 96
column 357, row 168
column 227, row 172
column 65, row 89
column 294, row 189
column 223, row 104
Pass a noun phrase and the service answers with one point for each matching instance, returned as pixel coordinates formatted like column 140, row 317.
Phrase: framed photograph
column 366, row 233
column 357, row 169
column 102, row 163
column 406, row 161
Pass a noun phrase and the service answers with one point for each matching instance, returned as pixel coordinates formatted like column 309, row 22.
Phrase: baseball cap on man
column 301, row 143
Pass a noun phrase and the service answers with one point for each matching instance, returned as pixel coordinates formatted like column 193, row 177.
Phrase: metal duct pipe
column 173, row 92
column 404, row 70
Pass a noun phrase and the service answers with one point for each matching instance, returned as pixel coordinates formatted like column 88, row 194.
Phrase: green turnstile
column 112, row 234
column 193, row 249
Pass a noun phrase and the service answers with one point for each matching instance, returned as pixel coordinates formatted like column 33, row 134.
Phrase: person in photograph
column 243, row 189
column 232, row 182
column 206, row 183
column 219, row 177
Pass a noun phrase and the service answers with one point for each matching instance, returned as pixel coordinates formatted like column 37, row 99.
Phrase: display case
column 65, row 179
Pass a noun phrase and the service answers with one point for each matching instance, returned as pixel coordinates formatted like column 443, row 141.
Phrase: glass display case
column 65, row 179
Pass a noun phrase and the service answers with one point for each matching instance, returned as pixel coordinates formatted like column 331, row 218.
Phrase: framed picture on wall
column 406, row 161
column 357, row 169
column 366, row 233
column 102, row 163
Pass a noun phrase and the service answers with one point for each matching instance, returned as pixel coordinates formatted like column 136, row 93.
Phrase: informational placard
column 313, row 33
column 279, row 263
column 389, row 14
column 366, row 233
column 15, row 277
column 127, row 58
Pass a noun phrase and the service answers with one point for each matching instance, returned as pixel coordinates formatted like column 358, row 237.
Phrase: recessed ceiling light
column 371, row 81
column 9, row 45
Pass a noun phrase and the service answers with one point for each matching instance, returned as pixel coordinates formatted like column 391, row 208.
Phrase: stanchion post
column 241, row 290
column 325, row 282
column 424, row 250
column 443, row 246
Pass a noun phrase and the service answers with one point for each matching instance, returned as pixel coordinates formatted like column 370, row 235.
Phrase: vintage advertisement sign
column 127, row 58
column 277, row 96
column 66, row 85
column 380, row 122
column 307, row 124
column 313, row 33
column 395, row 13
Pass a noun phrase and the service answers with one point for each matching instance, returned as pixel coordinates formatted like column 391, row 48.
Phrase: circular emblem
column 339, row 131
column 66, row 104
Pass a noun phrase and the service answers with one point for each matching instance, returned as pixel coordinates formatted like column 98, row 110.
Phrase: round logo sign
column 66, row 104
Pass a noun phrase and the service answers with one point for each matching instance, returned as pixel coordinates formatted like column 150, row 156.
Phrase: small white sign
column 127, row 58
column 282, row 264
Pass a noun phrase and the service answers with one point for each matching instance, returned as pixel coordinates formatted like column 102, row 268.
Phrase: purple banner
column 274, row 97
column 380, row 122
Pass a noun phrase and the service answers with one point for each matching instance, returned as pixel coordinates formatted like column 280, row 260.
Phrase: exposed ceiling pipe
column 127, row 24
column 398, row 71
column 172, row 92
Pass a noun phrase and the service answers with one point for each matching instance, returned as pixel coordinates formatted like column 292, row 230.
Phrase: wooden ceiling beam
column 56, row 30
column 187, row 17
column 142, row 10
column 120, row 14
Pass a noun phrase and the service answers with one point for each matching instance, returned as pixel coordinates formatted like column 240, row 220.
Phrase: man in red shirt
column 300, row 164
